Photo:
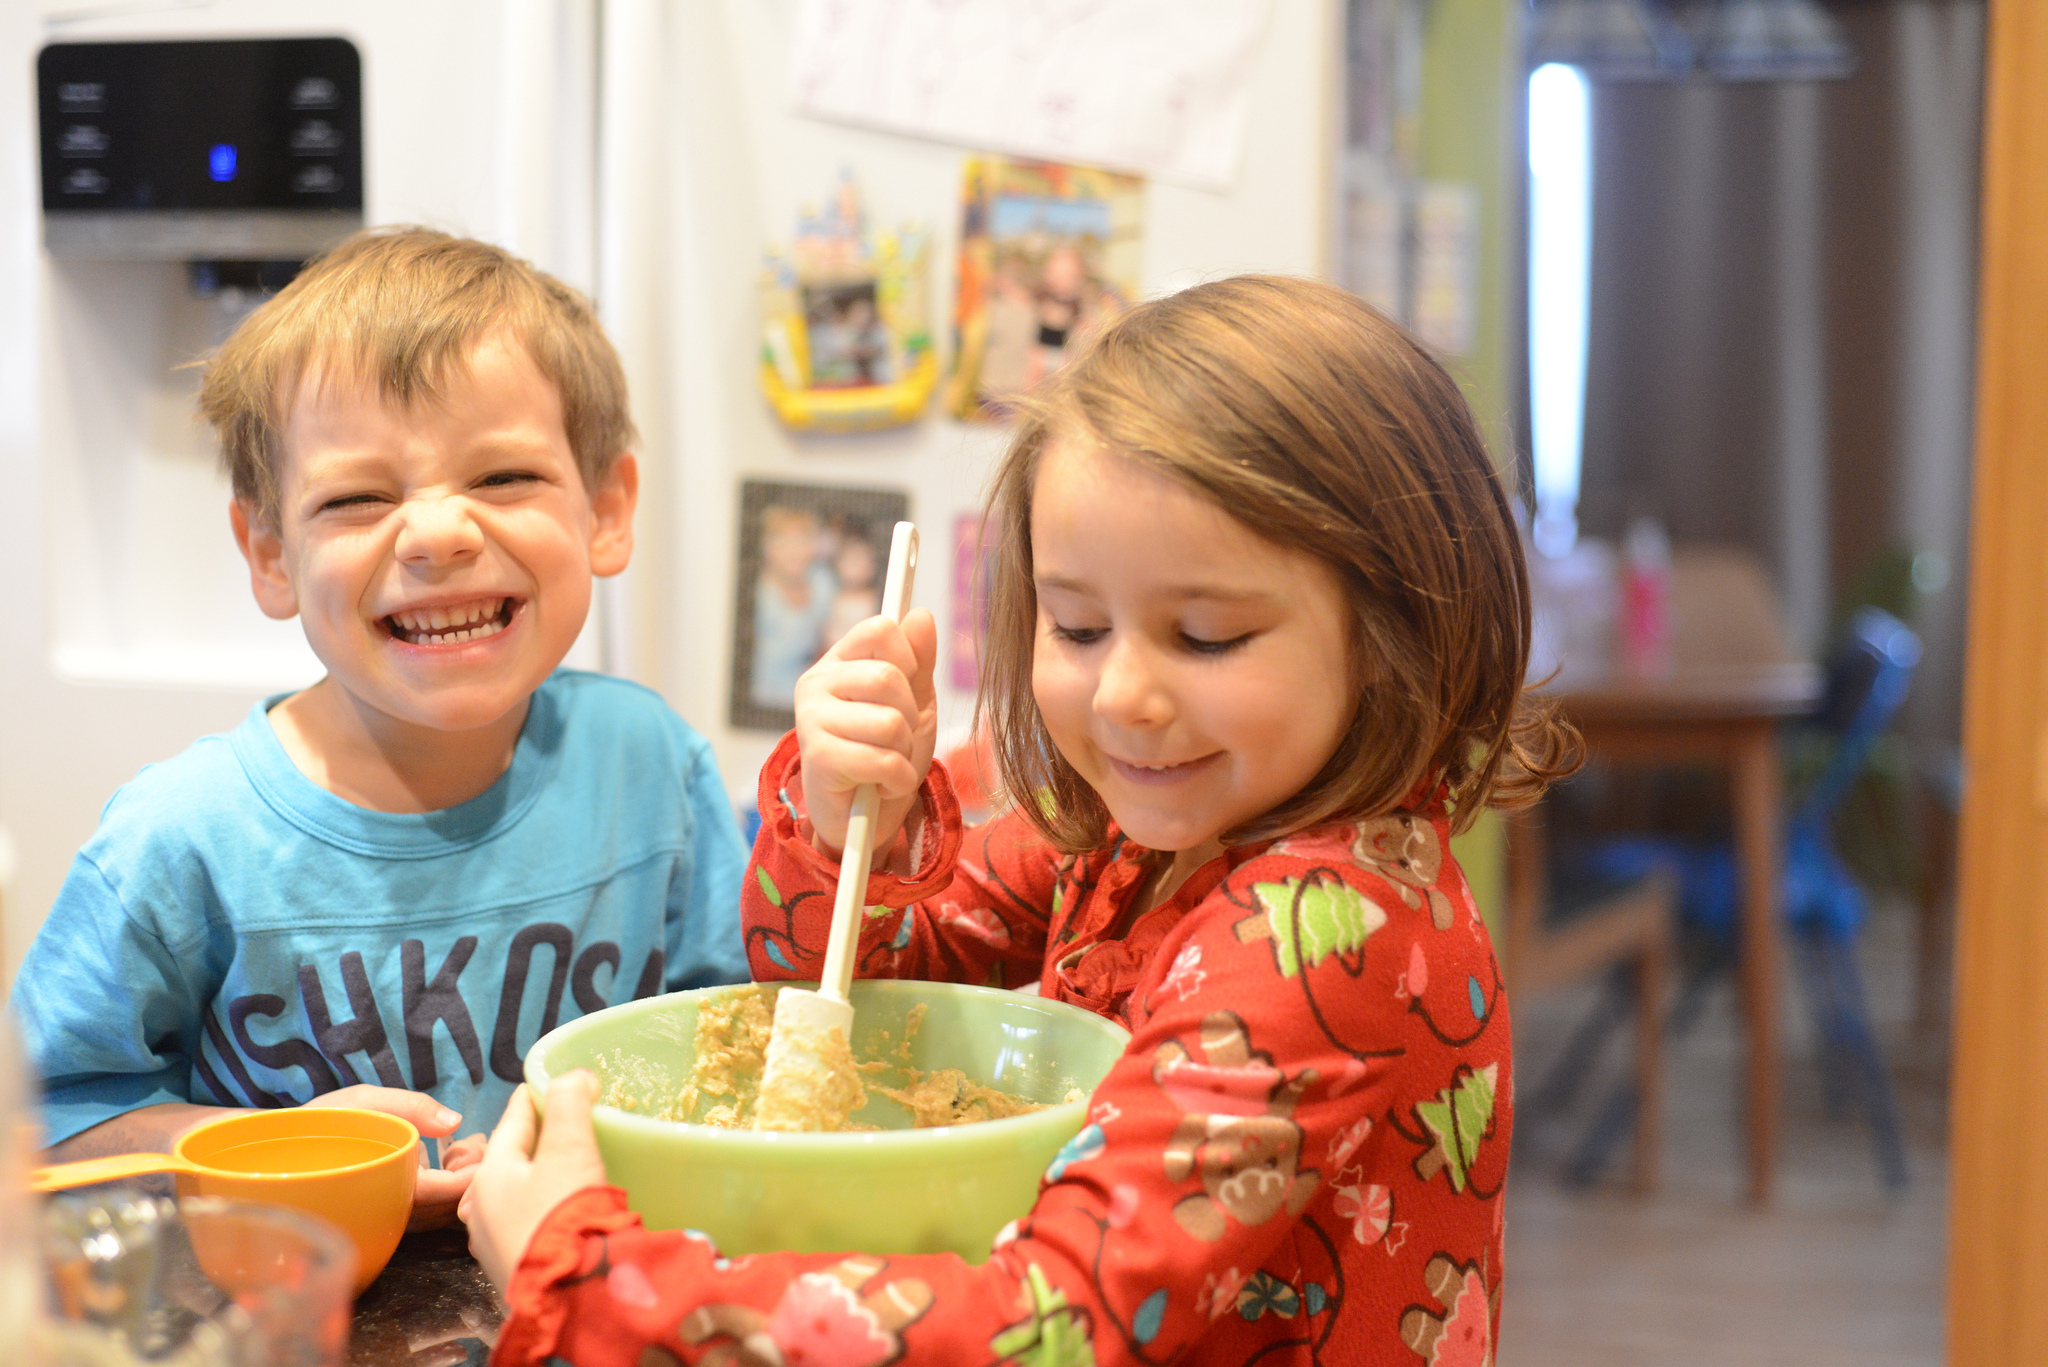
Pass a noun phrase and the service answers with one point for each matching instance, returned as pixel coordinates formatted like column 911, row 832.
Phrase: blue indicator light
column 220, row 161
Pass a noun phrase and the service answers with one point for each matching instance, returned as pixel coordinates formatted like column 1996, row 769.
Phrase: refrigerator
column 646, row 152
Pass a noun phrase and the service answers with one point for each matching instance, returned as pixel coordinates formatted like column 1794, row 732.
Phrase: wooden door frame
column 1998, row 1233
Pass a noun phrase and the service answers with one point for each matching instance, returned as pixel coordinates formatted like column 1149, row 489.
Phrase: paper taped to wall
column 1155, row 86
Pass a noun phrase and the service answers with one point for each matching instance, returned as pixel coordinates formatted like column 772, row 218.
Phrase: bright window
column 1560, row 259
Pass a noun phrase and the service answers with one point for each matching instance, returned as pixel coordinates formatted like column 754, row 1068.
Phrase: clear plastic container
column 115, row 1276
column 137, row 1279
column 21, row 1279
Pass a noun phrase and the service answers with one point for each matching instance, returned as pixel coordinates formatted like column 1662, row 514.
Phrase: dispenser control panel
column 263, row 124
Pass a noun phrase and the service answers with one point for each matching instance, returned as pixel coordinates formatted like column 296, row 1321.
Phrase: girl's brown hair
column 401, row 308
column 1325, row 428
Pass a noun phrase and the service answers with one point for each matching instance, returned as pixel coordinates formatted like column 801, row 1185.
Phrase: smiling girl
column 1259, row 629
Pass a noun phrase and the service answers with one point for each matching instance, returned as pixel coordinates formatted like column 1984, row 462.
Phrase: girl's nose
column 437, row 530
column 1129, row 691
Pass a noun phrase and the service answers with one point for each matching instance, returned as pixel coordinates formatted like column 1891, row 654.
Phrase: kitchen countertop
column 432, row 1306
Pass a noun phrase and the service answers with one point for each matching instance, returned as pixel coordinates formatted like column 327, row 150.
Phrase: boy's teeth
column 451, row 625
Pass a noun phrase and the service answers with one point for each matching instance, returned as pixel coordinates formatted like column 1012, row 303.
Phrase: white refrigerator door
column 126, row 626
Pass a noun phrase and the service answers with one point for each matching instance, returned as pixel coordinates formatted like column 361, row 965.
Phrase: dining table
column 1716, row 688
column 431, row 1306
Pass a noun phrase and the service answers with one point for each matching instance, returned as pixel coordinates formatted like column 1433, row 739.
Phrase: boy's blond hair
column 1326, row 429
column 401, row 308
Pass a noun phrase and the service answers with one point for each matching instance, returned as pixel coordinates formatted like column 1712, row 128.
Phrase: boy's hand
column 519, row 1183
column 465, row 1152
column 867, row 712
column 438, row 1190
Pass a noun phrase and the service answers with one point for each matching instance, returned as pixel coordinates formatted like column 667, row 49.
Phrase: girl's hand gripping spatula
column 808, row 1081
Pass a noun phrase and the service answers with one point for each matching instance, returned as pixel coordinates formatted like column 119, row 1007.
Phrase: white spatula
column 794, row 1090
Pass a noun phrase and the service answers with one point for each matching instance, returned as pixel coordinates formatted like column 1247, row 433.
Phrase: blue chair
column 1823, row 905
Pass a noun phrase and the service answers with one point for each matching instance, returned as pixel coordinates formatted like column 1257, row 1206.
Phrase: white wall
column 749, row 163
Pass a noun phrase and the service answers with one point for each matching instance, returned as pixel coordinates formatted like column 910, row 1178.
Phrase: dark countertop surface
column 432, row 1306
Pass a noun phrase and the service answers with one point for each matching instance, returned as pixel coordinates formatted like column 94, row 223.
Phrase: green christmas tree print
column 1052, row 1335
column 1459, row 1118
column 1310, row 919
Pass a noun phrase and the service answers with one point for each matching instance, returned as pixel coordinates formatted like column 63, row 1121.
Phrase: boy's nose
column 437, row 529
column 1129, row 691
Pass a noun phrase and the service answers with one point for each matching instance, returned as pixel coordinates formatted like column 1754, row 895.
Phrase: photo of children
column 849, row 345
column 810, row 566
column 1048, row 255
column 846, row 334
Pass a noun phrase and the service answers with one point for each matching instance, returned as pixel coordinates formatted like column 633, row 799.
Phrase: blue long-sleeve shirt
column 235, row 935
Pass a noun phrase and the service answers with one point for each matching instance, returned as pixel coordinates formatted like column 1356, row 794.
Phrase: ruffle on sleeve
column 536, row 1308
column 928, row 844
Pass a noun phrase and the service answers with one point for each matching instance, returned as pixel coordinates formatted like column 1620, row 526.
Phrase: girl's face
column 1194, row 673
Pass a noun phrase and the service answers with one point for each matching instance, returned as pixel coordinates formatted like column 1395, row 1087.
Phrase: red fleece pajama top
column 1298, row 1159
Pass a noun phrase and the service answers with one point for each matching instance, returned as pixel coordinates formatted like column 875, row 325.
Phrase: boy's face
column 439, row 556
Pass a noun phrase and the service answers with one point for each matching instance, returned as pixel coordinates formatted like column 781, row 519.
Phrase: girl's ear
column 611, row 506
column 263, row 548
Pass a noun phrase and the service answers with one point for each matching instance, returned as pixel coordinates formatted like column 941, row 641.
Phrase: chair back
column 1867, row 680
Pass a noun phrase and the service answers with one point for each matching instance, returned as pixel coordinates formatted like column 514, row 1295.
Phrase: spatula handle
column 850, row 898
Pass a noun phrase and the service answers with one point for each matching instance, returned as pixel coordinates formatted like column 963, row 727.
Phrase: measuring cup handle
column 113, row 1169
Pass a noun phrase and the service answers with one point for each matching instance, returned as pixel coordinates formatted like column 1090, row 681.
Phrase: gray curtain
column 1783, row 319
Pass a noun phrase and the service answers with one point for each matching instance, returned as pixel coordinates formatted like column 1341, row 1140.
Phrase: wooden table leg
column 1756, row 795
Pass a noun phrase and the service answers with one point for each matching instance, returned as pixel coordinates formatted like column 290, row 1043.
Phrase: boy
column 381, row 890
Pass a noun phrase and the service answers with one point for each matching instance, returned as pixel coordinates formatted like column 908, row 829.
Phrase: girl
column 1259, row 627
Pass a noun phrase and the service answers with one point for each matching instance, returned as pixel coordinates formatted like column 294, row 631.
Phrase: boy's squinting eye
column 350, row 501
column 505, row 479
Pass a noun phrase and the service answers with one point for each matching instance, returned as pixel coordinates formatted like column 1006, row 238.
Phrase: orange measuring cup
column 353, row 1167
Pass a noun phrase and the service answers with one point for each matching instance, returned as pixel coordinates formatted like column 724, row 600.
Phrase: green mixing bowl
column 894, row 1190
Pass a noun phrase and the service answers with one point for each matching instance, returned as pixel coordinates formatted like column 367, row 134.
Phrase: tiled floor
column 1835, row 1273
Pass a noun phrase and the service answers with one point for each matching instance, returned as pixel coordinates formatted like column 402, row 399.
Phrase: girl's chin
column 1155, row 834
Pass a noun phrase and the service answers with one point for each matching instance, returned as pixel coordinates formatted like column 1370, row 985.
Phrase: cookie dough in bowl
column 672, row 1124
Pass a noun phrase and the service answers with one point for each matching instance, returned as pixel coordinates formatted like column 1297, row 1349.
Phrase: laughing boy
column 380, row 890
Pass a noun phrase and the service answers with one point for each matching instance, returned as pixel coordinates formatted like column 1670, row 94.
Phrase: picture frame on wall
column 846, row 333
column 811, row 560
column 1049, row 253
